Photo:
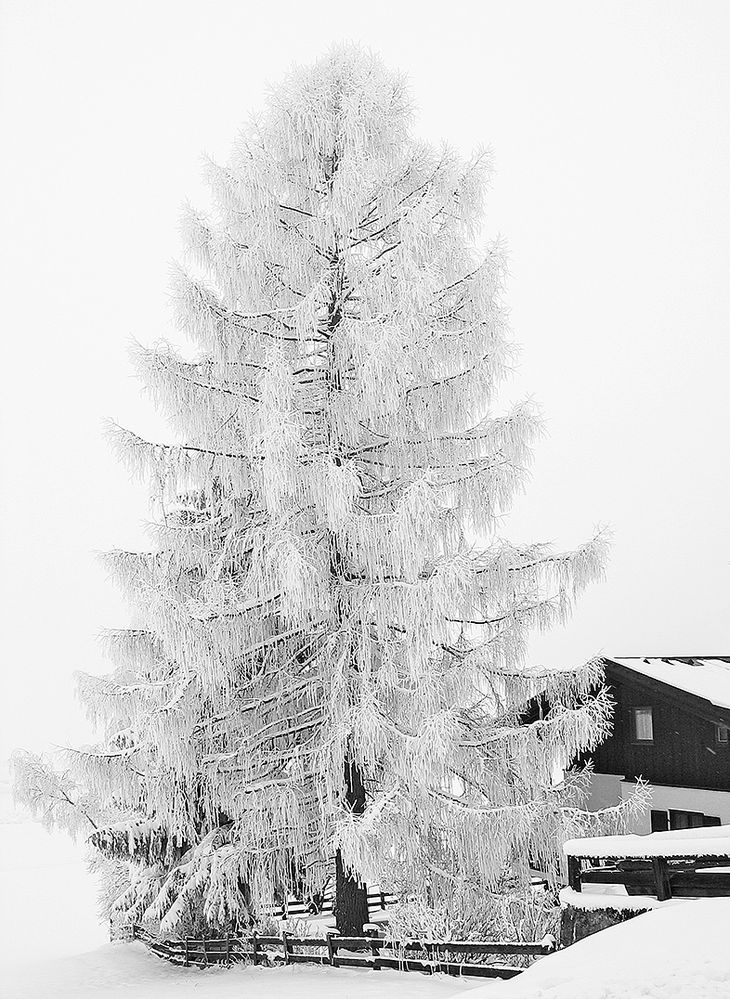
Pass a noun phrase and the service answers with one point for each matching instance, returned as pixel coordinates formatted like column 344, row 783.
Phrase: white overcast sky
column 610, row 127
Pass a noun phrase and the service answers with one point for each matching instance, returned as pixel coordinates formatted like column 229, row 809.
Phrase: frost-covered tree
column 330, row 675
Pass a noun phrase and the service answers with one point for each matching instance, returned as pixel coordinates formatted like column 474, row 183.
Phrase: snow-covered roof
column 704, row 676
column 712, row 841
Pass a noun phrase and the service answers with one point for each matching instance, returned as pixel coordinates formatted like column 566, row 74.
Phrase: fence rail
column 336, row 951
column 663, row 877
column 300, row 907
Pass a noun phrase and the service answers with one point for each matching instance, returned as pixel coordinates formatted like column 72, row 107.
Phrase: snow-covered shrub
column 513, row 913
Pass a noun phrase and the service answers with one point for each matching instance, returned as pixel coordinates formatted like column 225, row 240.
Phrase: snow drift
column 673, row 952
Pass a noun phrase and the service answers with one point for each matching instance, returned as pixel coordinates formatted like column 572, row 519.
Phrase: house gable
column 684, row 748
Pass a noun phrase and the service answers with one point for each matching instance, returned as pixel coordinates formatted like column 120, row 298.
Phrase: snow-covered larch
column 329, row 674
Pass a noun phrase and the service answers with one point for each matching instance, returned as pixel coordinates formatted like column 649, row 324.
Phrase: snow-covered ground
column 53, row 947
column 678, row 952
column 127, row 971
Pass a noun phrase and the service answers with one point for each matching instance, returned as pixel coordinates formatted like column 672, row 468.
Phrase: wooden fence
column 377, row 899
column 450, row 957
column 662, row 877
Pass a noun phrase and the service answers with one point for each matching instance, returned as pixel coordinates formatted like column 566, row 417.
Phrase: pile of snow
column 713, row 841
column 675, row 952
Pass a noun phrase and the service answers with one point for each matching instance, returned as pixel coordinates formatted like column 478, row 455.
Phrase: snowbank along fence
column 451, row 957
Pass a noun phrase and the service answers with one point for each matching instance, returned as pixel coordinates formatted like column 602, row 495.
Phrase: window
column 677, row 819
column 643, row 724
column 659, row 821
column 685, row 820
column 691, row 820
column 722, row 734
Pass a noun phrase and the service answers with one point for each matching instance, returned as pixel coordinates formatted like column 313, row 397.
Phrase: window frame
column 719, row 728
column 634, row 709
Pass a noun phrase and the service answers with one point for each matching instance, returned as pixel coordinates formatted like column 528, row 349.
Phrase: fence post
column 255, row 948
column 375, row 951
column 382, row 899
column 661, row 878
column 331, row 951
column 187, row 962
column 285, row 942
column 574, row 873
column 228, row 948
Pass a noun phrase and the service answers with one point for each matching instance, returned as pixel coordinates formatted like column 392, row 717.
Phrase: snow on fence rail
column 702, row 842
column 337, row 951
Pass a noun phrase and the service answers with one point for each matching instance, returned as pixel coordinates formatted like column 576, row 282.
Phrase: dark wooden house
column 671, row 726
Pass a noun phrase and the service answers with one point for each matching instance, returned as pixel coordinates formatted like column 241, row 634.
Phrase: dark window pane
column 685, row 820
column 659, row 821
column 678, row 820
column 711, row 820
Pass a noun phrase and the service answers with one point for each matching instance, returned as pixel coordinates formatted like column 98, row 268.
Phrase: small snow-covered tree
column 331, row 671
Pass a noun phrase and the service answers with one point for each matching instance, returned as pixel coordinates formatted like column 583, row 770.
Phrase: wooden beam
column 331, row 951
column 661, row 878
column 574, row 873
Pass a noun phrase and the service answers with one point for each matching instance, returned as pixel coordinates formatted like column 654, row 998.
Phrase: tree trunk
column 351, row 896
column 351, row 902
